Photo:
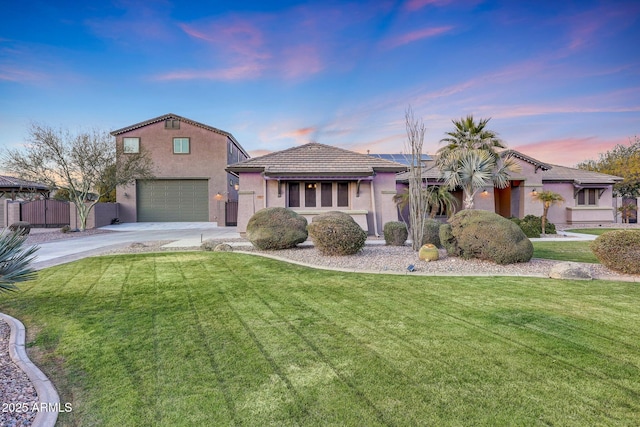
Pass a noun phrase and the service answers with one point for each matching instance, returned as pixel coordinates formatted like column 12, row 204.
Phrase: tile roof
column 579, row 176
column 182, row 119
column 316, row 159
column 550, row 173
column 9, row 182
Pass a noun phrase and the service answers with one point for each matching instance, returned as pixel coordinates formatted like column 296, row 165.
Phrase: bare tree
column 85, row 163
column 418, row 202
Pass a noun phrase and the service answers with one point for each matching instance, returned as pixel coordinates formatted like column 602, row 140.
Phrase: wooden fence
column 47, row 213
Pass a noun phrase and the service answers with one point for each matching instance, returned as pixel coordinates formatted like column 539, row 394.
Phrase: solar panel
column 404, row 159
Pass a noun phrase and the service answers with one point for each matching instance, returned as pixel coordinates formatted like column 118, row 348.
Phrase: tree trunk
column 545, row 211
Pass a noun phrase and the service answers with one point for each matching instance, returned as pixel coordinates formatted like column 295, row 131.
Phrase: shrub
column 21, row 228
column 395, row 233
column 486, row 235
column 531, row 225
column 336, row 233
column 448, row 241
column 619, row 250
column 65, row 229
column 431, row 232
column 276, row 228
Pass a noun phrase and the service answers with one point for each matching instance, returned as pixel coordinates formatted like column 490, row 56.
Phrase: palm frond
column 15, row 261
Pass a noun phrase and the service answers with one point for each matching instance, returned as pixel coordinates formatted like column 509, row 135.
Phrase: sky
column 560, row 80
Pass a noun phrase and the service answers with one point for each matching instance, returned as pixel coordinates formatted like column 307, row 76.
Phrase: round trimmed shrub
column 276, row 228
column 395, row 233
column 336, row 233
column 448, row 241
column 488, row 236
column 21, row 228
column 619, row 250
column 431, row 232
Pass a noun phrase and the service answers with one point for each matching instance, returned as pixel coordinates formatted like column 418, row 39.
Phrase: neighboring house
column 189, row 160
column 588, row 195
column 316, row 178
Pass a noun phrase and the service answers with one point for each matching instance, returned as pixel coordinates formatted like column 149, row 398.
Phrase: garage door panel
column 168, row 200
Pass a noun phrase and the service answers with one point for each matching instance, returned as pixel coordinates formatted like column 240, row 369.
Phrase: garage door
column 168, row 200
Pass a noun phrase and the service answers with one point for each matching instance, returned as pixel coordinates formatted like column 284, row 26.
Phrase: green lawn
column 596, row 231
column 190, row 339
column 564, row 251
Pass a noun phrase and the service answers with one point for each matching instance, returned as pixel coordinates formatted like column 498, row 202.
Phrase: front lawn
column 564, row 251
column 221, row 339
column 595, row 231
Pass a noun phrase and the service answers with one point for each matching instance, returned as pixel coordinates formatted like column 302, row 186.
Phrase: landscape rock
column 223, row 247
column 570, row 270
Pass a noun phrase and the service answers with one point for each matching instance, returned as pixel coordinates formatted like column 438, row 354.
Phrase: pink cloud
column 413, row 5
column 12, row 74
column 415, row 36
column 242, row 72
column 297, row 133
column 568, row 151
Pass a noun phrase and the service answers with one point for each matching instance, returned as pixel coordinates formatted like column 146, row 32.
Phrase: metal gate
column 47, row 213
column 231, row 214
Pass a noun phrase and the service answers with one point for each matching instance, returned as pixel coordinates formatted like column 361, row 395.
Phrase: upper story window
column 180, row 145
column 131, row 145
column 587, row 197
column 172, row 124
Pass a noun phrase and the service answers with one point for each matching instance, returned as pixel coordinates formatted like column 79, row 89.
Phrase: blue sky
column 559, row 79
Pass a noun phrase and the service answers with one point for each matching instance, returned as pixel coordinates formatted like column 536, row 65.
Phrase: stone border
column 44, row 387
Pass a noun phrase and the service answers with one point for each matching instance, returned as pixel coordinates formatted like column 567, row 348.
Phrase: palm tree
column 469, row 135
column 548, row 199
column 627, row 210
column 439, row 198
column 474, row 169
column 14, row 261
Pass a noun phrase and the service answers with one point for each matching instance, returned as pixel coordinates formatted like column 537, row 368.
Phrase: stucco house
column 190, row 182
column 588, row 195
column 315, row 178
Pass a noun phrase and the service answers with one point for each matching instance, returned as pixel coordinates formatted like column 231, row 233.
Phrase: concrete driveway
column 182, row 234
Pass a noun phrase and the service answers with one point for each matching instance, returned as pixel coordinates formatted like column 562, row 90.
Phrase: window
column 343, row 194
column 131, row 145
column 181, row 145
column 310, row 194
column 326, row 194
column 588, row 197
column 172, row 124
column 294, row 194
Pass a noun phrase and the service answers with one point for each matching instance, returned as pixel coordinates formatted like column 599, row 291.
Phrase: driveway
column 183, row 234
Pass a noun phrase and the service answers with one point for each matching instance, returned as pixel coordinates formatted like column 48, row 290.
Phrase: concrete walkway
column 192, row 234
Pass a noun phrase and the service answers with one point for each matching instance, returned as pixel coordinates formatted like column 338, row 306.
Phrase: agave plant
column 15, row 261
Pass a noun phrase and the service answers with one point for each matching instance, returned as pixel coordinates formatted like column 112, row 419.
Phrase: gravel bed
column 17, row 394
column 38, row 236
column 396, row 259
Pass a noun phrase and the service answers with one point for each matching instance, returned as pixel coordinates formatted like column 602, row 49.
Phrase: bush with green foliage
column 448, row 241
column 276, row 228
column 395, row 233
column 21, row 228
column 488, row 236
column 531, row 225
column 431, row 232
column 619, row 250
column 336, row 233
column 65, row 229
